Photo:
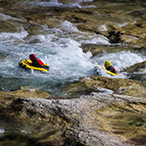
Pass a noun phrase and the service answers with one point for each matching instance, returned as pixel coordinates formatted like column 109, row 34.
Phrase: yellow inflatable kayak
column 27, row 64
column 111, row 73
column 107, row 71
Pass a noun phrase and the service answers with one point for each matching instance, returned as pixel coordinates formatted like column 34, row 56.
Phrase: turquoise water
column 61, row 49
column 63, row 54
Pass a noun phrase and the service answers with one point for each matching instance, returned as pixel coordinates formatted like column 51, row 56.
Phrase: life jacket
column 40, row 62
column 112, row 69
column 37, row 63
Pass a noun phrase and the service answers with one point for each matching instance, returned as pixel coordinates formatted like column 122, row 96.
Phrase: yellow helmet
column 107, row 63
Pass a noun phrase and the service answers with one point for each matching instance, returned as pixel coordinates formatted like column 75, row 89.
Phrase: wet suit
column 112, row 69
column 38, row 63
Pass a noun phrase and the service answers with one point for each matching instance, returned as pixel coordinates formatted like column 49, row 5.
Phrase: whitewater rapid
column 62, row 51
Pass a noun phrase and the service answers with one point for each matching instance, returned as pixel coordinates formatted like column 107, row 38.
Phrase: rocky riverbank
column 97, row 119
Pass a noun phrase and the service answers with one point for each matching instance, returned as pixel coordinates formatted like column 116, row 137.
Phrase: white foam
column 13, row 37
column 24, row 131
column 55, row 3
column 121, row 59
column 2, row 130
column 98, row 39
column 6, row 17
column 85, row 0
column 104, row 90
column 69, row 57
column 123, row 24
column 69, row 27
column 102, row 27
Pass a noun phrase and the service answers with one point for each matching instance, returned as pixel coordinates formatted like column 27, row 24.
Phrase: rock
column 97, row 49
column 86, row 85
column 129, row 39
column 30, row 92
column 115, row 37
column 96, row 119
column 136, row 67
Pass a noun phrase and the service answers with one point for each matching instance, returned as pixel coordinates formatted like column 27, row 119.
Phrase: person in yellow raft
column 109, row 67
column 37, row 62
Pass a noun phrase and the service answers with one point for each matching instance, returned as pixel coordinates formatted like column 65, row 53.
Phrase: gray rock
column 82, row 113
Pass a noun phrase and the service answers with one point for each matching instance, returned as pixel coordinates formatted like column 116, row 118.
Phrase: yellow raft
column 27, row 64
column 111, row 73
column 107, row 71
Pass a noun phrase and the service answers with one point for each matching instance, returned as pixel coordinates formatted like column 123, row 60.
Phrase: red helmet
column 32, row 57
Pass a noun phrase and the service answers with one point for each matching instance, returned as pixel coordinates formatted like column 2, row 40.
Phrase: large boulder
column 97, row 119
